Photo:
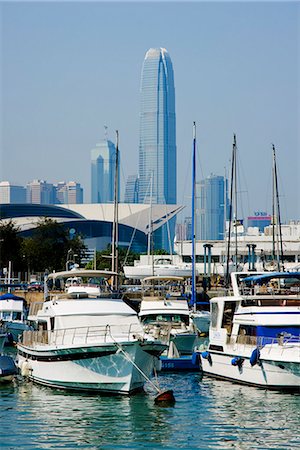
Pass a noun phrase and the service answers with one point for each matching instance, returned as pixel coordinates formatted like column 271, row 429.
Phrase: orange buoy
column 165, row 398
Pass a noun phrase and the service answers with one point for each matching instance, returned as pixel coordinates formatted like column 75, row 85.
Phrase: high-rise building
column 103, row 160
column 212, row 199
column 157, row 145
column 10, row 193
column 131, row 189
column 40, row 192
column 69, row 193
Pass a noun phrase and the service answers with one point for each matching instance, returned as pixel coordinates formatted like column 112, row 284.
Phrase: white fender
column 25, row 369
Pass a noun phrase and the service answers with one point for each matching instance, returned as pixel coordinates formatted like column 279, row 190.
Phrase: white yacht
column 254, row 334
column 87, row 343
column 13, row 316
column 165, row 314
column 161, row 266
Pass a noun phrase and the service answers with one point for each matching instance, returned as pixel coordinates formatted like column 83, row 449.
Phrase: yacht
column 254, row 333
column 85, row 342
column 161, row 266
column 165, row 314
column 13, row 314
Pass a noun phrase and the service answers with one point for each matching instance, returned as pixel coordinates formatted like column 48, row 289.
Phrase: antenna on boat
column 193, row 299
column 115, row 222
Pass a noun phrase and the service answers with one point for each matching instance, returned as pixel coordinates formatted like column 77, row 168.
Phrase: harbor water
column 208, row 414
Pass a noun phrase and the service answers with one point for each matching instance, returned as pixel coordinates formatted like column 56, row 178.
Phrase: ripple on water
column 208, row 414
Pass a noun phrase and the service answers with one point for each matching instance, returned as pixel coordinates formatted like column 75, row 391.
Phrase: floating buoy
column 165, row 398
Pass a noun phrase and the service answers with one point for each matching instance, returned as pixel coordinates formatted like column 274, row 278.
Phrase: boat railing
column 283, row 339
column 82, row 335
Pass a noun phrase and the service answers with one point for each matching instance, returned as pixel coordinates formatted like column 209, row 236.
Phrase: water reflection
column 208, row 414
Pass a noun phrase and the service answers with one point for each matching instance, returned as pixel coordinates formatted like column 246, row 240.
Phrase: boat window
column 167, row 318
column 52, row 323
column 229, row 308
column 42, row 326
column 6, row 315
column 17, row 315
column 214, row 314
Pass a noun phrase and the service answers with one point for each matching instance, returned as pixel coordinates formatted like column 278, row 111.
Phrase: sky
column 68, row 69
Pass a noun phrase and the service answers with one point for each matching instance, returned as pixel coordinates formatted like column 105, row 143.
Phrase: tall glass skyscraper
column 103, row 160
column 157, row 146
column 212, row 199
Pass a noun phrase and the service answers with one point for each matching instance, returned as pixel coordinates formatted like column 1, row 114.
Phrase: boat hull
column 276, row 373
column 103, row 368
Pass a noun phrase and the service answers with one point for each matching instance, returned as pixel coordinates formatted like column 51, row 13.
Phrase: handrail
column 82, row 335
column 262, row 341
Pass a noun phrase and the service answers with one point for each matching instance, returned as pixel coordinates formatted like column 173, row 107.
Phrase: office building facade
column 40, row 192
column 69, row 193
column 10, row 193
column 157, row 144
column 131, row 189
column 212, row 207
column 103, row 162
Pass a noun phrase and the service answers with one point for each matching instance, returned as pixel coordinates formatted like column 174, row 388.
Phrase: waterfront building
column 210, row 212
column 260, row 219
column 40, row 192
column 10, row 193
column 261, row 243
column 157, row 143
column 131, row 189
column 103, row 161
column 94, row 221
column 70, row 192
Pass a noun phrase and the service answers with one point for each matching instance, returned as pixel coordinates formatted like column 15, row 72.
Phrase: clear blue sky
column 68, row 69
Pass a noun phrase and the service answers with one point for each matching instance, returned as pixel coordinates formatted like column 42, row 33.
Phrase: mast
column 235, row 204
column 230, row 209
column 193, row 300
column 279, row 231
column 116, row 218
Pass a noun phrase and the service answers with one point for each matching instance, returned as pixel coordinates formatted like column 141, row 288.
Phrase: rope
column 133, row 363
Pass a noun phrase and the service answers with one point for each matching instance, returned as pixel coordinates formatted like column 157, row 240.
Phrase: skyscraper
column 70, row 192
column 131, row 189
column 157, row 146
column 212, row 198
column 40, row 192
column 11, row 193
column 103, row 160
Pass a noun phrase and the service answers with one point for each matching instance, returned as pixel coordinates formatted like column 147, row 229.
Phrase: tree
column 10, row 246
column 103, row 259
column 48, row 246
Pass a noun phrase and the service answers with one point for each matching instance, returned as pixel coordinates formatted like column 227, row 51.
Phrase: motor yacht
column 254, row 333
column 85, row 342
column 13, row 314
column 165, row 314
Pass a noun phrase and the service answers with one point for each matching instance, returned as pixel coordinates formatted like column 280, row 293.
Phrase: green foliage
column 48, row 247
column 10, row 246
column 103, row 259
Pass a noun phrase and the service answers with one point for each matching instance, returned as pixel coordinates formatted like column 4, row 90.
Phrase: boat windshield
column 166, row 318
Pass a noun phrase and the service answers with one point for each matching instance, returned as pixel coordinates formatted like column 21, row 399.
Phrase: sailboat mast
column 230, row 210
column 235, row 203
column 278, row 211
column 116, row 218
column 193, row 300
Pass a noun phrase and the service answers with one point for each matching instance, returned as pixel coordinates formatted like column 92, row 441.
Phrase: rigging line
column 241, row 177
column 133, row 233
